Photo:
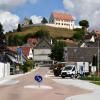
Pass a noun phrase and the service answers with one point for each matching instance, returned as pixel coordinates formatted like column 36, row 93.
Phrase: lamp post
column 66, row 54
column 4, row 52
column 75, row 51
column 33, row 57
column 83, row 59
column 98, row 59
column 4, row 65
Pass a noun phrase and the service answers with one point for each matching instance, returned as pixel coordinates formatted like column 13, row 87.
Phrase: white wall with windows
column 42, row 54
column 70, row 24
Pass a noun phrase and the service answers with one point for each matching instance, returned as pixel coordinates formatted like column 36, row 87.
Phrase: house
column 77, row 54
column 42, row 51
column 18, row 57
column 28, row 52
column 32, row 41
column 8, row 62
column 26, row 21
column 62, row 20
column 91, row 40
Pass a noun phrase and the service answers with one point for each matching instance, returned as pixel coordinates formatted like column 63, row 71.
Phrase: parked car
column 57, row 68
column 68, row 71
column 75, row 70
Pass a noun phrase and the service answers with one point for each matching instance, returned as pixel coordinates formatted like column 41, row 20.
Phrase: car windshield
column 68, row 68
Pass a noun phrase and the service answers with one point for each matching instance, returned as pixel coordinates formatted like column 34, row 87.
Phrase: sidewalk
column 9, row 79
column 95, row 95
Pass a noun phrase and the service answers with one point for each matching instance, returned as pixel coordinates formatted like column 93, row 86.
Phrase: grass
column 96, row 82
column 54, row 32
column 92, row 79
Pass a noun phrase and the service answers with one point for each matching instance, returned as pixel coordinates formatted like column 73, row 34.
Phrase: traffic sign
column 38, row 78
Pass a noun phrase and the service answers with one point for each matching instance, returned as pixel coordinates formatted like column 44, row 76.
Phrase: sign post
column 39, row 79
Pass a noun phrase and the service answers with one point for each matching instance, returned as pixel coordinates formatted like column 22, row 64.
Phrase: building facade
column 42, row 51
column 62, row 20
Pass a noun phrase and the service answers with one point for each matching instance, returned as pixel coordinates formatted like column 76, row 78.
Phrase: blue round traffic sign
column 38, row 78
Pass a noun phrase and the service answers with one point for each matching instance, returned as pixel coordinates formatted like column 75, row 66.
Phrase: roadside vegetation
column 93, row 79
column 28, row 66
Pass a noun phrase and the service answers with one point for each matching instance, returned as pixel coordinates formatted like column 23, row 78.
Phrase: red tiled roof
column 26, row 50
column 13, row 48
column 63, row 16
column 32, row 41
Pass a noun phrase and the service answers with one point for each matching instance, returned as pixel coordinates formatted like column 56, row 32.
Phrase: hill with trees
column 54, row 32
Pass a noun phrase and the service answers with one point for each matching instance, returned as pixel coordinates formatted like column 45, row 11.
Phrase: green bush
column 27, row 66
column 97, row 82
column 92, row 78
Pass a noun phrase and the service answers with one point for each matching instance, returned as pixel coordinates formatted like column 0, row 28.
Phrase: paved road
column 18, row 92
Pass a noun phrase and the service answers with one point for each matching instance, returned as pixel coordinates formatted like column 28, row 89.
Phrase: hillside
column 54, row 32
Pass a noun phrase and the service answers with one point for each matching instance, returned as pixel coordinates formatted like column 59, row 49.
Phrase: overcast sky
column 13, row 11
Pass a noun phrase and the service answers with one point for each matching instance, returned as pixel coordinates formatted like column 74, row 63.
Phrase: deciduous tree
column 57, row 51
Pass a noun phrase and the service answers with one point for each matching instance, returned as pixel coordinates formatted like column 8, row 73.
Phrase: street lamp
column 83, row 59
column 98, row 59
column 4, row 52
column 75, row 51
column 66, row 54
column 4, row 66
column 33, row 57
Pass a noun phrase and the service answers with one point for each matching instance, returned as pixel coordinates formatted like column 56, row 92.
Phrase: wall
column 4, row 69
column 62, row 23
column 30, row 54
column 42, row 54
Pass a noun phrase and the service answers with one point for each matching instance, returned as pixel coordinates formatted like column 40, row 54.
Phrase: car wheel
column 63, row 76
column 72, row 76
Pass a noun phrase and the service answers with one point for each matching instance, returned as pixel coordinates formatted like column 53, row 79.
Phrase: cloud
column 33, row 1
column 9, row 21
column 5, row 4
column 36, row 19
column 85, row 9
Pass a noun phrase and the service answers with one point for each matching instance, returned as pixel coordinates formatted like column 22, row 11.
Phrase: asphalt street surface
column 18, row 92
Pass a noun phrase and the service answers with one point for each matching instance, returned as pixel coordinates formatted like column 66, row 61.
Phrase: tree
column 79, row 34
column 42, row 34
column 44, row 20
column 57, row 51
column 19, row 29
column 30, row 22
column 84, row 24
column 27, row 66
column 2, row 39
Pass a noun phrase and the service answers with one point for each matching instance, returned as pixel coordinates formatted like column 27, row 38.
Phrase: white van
column 69, row 71
column 73, row 70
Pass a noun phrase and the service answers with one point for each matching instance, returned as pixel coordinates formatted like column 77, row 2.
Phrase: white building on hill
column 62, row 20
